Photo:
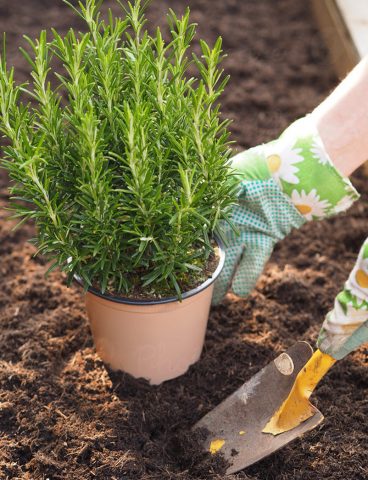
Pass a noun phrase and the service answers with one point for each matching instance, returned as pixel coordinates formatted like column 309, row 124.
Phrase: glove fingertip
column 223, row 283
column 241, row 291
column 219, row 291
column 242, row 284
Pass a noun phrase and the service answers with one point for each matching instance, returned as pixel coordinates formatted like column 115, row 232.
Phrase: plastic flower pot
column 157, row 340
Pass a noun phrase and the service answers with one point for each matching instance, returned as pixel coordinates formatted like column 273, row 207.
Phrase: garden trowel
column 268, row 411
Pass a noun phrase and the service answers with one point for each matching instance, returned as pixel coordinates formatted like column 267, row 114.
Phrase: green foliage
column 121, row 160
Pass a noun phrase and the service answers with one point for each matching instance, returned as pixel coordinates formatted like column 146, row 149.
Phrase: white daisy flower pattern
column 309, row 204
column 358, row 278
column 319, row 152
column 281, row 157
column 343, row 204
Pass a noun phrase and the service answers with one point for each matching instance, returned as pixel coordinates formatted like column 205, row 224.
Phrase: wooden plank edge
column 343, row 52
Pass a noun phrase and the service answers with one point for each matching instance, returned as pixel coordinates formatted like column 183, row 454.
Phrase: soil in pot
column 63, row 417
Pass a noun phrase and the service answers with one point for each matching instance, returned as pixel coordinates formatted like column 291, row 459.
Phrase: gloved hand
column 282, row 184
column 346, row 326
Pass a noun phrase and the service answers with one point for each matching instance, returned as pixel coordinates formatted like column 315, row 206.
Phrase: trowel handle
column 313, row 372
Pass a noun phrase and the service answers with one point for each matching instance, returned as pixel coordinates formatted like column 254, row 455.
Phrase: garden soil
column 64, row 416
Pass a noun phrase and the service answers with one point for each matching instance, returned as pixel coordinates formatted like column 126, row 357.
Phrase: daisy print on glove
column 309, row 204
column 343, row 204
column 319, row 153
column 358, row 280
column 281, row 157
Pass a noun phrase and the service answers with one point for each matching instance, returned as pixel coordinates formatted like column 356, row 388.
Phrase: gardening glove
column 346, row 326
column 282, row 185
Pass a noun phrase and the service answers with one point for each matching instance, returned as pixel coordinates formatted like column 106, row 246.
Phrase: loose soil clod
column 63, row 416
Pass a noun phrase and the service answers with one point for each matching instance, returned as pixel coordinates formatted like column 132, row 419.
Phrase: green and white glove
column 346, row 326
column 282, row 185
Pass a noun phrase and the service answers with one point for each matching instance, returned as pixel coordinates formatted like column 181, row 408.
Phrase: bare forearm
column 342, row 120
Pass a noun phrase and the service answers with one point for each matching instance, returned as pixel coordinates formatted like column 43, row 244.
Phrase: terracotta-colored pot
column 157, row 340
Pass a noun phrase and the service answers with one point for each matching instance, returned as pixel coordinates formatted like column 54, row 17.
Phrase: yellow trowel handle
column 297, row 408
column 315, row 369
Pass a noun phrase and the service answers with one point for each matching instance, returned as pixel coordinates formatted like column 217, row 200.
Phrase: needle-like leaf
column 122, row 156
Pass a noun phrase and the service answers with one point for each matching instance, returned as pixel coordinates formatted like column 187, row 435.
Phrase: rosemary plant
column 121, row 159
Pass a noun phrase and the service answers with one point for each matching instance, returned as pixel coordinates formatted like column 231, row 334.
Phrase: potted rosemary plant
column 121, row 160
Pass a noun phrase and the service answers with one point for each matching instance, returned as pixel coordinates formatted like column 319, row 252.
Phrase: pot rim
column 185, row 295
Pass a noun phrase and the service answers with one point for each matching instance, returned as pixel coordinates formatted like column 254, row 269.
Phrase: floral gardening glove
column 346, row 326
column 282, row 185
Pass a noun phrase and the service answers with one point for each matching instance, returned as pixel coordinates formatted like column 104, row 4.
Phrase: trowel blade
column 234, row 428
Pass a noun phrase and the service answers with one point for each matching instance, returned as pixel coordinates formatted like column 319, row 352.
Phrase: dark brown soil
column 62, row 416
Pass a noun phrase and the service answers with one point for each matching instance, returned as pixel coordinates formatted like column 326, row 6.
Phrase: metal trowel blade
column 234, row 428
